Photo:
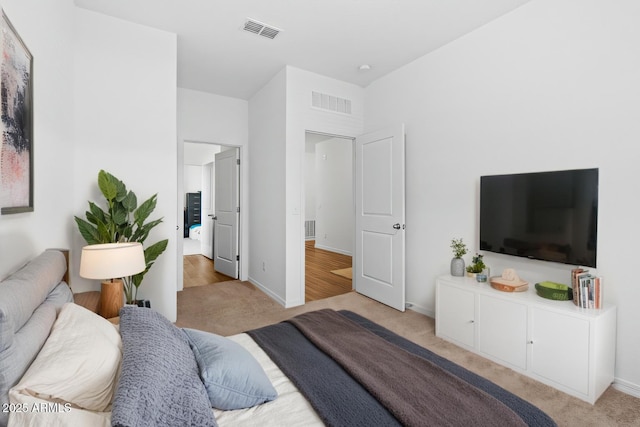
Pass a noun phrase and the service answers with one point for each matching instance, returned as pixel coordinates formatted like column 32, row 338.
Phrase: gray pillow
column 23, row 291
column 159, row 383
column 25, row 321
column 23, row 348
column 232, row 376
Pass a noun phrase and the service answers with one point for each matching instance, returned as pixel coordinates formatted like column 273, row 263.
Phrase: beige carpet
column 232, row 307
column 344, row 272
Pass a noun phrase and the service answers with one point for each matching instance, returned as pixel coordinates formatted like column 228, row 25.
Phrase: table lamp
column 110, row 262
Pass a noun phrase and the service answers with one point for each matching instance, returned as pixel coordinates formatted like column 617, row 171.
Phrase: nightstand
column 92, row 301
column 89, row 300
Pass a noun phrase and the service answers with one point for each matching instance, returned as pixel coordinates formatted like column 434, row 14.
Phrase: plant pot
column 457, row 267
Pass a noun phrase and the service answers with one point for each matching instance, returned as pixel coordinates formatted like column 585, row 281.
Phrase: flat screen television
column 551, row 216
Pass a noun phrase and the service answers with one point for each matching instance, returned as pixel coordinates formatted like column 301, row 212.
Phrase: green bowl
column 554, row 291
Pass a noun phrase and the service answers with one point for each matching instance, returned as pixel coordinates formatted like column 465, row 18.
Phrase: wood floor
column 320, row 283
column 198, row 271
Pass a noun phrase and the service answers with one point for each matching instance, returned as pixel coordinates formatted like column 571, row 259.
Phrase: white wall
column 334, row 198
column 267, row 131
column 205, row 117
column 192, row 179
column 125, row 123
column 196, row 155
column 552, row 85
column 47, row 30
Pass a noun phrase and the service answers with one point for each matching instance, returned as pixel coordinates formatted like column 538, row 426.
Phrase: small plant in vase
column 477, row 266
column 457, row 263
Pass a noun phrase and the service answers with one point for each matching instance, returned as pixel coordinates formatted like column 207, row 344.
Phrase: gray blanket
column 404, row 383
column 341, row 401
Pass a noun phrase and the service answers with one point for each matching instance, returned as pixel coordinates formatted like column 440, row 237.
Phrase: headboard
column 29, row 302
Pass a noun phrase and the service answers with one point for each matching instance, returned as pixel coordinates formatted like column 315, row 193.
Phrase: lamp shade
column 112, row 260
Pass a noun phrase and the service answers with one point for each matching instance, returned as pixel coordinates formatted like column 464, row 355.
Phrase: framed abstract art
column 16, row 122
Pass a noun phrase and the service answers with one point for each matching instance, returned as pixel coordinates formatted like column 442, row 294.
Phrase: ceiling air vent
column 330, row 102
column 261, row 29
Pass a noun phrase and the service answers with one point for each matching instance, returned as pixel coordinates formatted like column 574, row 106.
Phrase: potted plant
column 457, row 263
column 477, row 266
column 123, row 221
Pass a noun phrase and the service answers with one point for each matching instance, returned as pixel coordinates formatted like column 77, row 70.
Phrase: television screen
column 551, row 216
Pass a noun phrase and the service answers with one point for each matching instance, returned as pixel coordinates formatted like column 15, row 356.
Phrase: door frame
column 243, row 266
column 352, row 140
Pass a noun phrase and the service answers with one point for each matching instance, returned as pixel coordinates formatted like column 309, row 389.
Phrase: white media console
column 554, row 342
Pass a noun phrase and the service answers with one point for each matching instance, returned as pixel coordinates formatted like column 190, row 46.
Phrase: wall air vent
column 257, row 27
column 330, row 103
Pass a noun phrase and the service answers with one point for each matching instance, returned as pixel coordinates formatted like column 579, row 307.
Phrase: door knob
column 396, row 226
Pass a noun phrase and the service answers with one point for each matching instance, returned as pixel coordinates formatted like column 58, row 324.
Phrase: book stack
column 587, row 289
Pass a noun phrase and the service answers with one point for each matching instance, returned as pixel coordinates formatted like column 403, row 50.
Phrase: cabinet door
column 560, row 349
column 502, row 330
column 455, row 314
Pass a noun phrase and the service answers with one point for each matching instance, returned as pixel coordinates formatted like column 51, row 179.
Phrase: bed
column 63, row 365
column 195, row 231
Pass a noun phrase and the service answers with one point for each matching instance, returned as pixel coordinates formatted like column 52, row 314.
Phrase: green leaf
column 141, row 233
column 108, row 185
column 97, row 212
column 88, row 231
column 105, row 235
column 92, row 218
column 154, row 251
column 130, row 202
column 144, row 210
column 121, row 189
column 120, row 216
column 126, row 233
column 150, row 255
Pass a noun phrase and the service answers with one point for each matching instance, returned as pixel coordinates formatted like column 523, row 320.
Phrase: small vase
column 457, row 267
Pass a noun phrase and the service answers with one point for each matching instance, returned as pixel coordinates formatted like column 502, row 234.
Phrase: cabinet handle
column 472, row 321
column 530, row 342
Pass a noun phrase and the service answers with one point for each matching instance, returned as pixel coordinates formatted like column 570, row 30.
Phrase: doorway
column 199, row 188
column 329, row 215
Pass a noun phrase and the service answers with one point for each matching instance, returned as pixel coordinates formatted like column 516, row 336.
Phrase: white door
column 206, row 211
column 379, row 192
column 227, row 208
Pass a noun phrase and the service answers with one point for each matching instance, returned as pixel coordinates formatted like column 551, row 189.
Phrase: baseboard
column 330, row 249
column 420, row 309
column 626, row 387
column 267, row 291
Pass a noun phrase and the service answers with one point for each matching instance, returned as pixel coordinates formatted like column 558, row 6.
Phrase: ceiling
column 329, row 37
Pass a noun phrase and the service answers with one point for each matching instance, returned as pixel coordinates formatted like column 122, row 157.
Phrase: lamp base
column 111, row 298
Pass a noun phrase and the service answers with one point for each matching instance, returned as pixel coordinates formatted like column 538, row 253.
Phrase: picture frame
column 16, row 121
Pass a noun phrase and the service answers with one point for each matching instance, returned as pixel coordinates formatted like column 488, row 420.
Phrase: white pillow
column 78, row 363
